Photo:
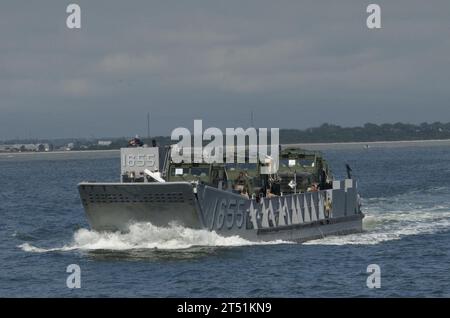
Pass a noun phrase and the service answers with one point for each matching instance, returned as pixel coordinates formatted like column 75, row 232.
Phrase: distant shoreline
column 311, row 146
column 375, row 142
column 56, row 152
column 372, row 144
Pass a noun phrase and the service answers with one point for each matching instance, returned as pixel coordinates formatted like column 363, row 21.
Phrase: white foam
column 394, row 225
column 30, row 248
column 390, row 218
column 146, row 236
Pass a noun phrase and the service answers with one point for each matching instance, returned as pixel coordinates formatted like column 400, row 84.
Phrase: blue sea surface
column 406, row 200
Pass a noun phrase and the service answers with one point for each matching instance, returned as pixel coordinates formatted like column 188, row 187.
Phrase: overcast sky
column 296, row 63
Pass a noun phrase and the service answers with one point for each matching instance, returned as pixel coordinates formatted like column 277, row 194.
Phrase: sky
column 295, row 64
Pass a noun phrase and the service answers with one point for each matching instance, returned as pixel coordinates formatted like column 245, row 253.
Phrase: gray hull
column 314, row 230
column 296, row 217
column 113, row 206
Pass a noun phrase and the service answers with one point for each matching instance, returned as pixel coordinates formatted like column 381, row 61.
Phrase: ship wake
column 398, row 217
column 146, row 236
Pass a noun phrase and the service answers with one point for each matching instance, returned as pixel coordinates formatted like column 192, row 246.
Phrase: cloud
column 271, row 54
column 291, row 61
column 76, row 87
column 126, row 63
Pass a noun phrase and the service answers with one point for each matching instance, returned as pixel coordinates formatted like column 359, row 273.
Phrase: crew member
column 135, row 142
column 327, row 207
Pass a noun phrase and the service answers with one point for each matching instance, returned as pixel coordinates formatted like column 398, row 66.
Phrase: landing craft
column 299, row 202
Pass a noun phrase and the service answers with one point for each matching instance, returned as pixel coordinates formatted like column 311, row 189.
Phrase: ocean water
column 406, row 200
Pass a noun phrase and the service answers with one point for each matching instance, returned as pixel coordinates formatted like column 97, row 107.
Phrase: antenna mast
column 148, row 125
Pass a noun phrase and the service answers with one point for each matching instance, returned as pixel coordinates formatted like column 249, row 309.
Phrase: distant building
column 70, row 146
column 104, row 143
